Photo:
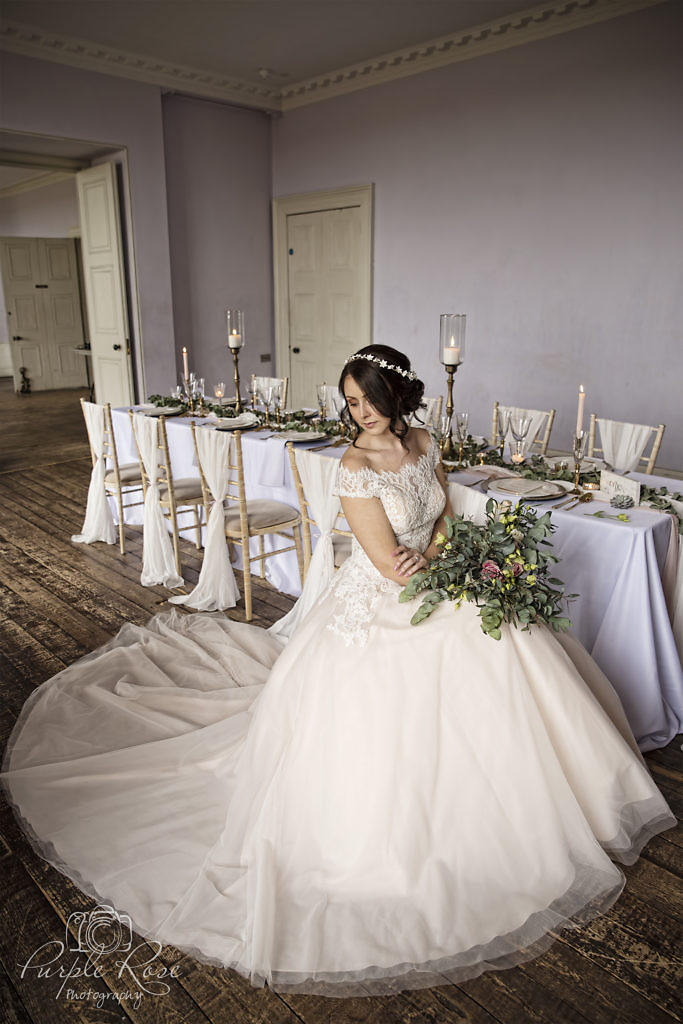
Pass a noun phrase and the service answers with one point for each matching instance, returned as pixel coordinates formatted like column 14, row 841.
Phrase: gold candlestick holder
column 448, row 449
column 238, row 401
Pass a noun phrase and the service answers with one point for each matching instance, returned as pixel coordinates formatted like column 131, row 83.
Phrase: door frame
column 362, row 196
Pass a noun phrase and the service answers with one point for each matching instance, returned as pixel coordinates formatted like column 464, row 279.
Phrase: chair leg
column 122, row 543
column 231, row 551
column 197, row 528
column 246, row 572
column 296, row 530
column 176, row 543
column 262, row 551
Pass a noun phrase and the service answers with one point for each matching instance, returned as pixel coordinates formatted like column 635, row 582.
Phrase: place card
column 613, row 483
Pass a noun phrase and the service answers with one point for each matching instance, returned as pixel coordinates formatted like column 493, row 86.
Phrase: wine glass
column 219, row 391
column 461, row 421
column 503, row 427
column 178, row 392
column 277, row 401
column 265, row 392
column 519, row 428
column 321, row 390
column 442, row 427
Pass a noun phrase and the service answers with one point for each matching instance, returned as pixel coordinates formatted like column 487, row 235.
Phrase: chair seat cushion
column 187, row 490
column 130, row 473
column 342, row 549
column 262, row 514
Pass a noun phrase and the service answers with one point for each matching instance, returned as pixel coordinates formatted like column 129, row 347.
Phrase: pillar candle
column 186, row 371
column 579, row 412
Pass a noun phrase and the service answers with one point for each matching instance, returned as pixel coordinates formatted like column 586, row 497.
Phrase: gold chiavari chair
column 341, row 538
column 648, row 460
column 118, row 479
column 539, row 443
column 174, row 495
column 256, row 517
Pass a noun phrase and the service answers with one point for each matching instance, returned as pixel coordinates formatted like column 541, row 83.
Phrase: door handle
column 17, row 337
column 296, row 350
column 117, row 348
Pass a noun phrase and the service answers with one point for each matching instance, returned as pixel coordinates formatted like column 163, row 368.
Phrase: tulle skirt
column 335, row 819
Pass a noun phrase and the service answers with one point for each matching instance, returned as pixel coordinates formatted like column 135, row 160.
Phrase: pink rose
column 490, row 570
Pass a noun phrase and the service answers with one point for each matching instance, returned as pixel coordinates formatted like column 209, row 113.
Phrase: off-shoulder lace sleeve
column 356, row 483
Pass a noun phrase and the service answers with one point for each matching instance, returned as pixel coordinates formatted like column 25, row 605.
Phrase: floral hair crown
column 410, row 374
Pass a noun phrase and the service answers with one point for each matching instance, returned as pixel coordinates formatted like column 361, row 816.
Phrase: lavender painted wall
column 48, row 212
column 218, row 180
column 538, row 190
column 51, row 99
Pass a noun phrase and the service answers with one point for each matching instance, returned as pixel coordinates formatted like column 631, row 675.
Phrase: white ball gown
column 374, row 807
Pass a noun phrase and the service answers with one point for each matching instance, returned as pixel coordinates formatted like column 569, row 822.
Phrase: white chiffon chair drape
column 317, row 474
column 623, row 443
column 99, row 521
column 158, row 563
column 216, row 587
column 538, row 419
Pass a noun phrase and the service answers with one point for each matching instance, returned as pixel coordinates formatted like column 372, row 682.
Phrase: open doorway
column 67, row 287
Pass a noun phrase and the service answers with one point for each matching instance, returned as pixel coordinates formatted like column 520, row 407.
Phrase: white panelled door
column 40, row 281
column 328, row 294
column 105, row 292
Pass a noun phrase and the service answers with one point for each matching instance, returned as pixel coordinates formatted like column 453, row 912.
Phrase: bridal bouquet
column 503, row 567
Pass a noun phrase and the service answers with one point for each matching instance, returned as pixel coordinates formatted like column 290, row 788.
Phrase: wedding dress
column 372, row 807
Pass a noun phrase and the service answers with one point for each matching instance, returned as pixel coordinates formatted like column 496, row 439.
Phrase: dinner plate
column 245, row 421
column 163, row 410
column 302, row 435
column 523, row 488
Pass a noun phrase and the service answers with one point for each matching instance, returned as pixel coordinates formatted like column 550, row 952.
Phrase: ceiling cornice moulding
column 525, row 26
column 516, row 29
column 80, row 53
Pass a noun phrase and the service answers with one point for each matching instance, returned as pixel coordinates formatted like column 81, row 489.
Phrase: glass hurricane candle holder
column 234, row 322
column 451, row 354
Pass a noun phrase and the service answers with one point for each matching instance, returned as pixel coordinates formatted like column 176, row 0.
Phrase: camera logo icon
column 101, row 930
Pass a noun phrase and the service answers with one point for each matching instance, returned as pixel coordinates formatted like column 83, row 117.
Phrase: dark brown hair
column 389, row 392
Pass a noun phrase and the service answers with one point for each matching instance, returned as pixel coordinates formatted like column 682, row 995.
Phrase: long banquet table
column 624, row 573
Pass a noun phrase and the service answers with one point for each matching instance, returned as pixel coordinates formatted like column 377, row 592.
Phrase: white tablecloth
column 622, row 616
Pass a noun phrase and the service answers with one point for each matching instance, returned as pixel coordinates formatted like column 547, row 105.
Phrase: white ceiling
column 296, row 39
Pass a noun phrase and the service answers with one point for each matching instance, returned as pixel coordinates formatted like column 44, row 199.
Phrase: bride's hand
column 408, row 561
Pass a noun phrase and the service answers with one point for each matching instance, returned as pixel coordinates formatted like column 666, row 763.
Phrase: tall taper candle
column 579, row 412
column 186, row 370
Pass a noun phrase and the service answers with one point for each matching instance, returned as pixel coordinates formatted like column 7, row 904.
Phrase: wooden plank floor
column 59, row 601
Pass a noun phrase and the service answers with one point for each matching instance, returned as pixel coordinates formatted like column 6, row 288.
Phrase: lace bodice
column 413, row 500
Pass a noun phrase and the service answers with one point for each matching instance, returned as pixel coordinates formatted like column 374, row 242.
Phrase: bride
column 372, row 807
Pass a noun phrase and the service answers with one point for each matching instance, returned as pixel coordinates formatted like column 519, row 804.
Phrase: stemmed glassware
column 503, row 427
column 578, row 450
column 442, row 429
column 265, row 392
column 519, row 427
column 461, row 421
column 219, row 391
column 338, row 402
column 321, row 390
column 178, row 392
column 277, row 401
